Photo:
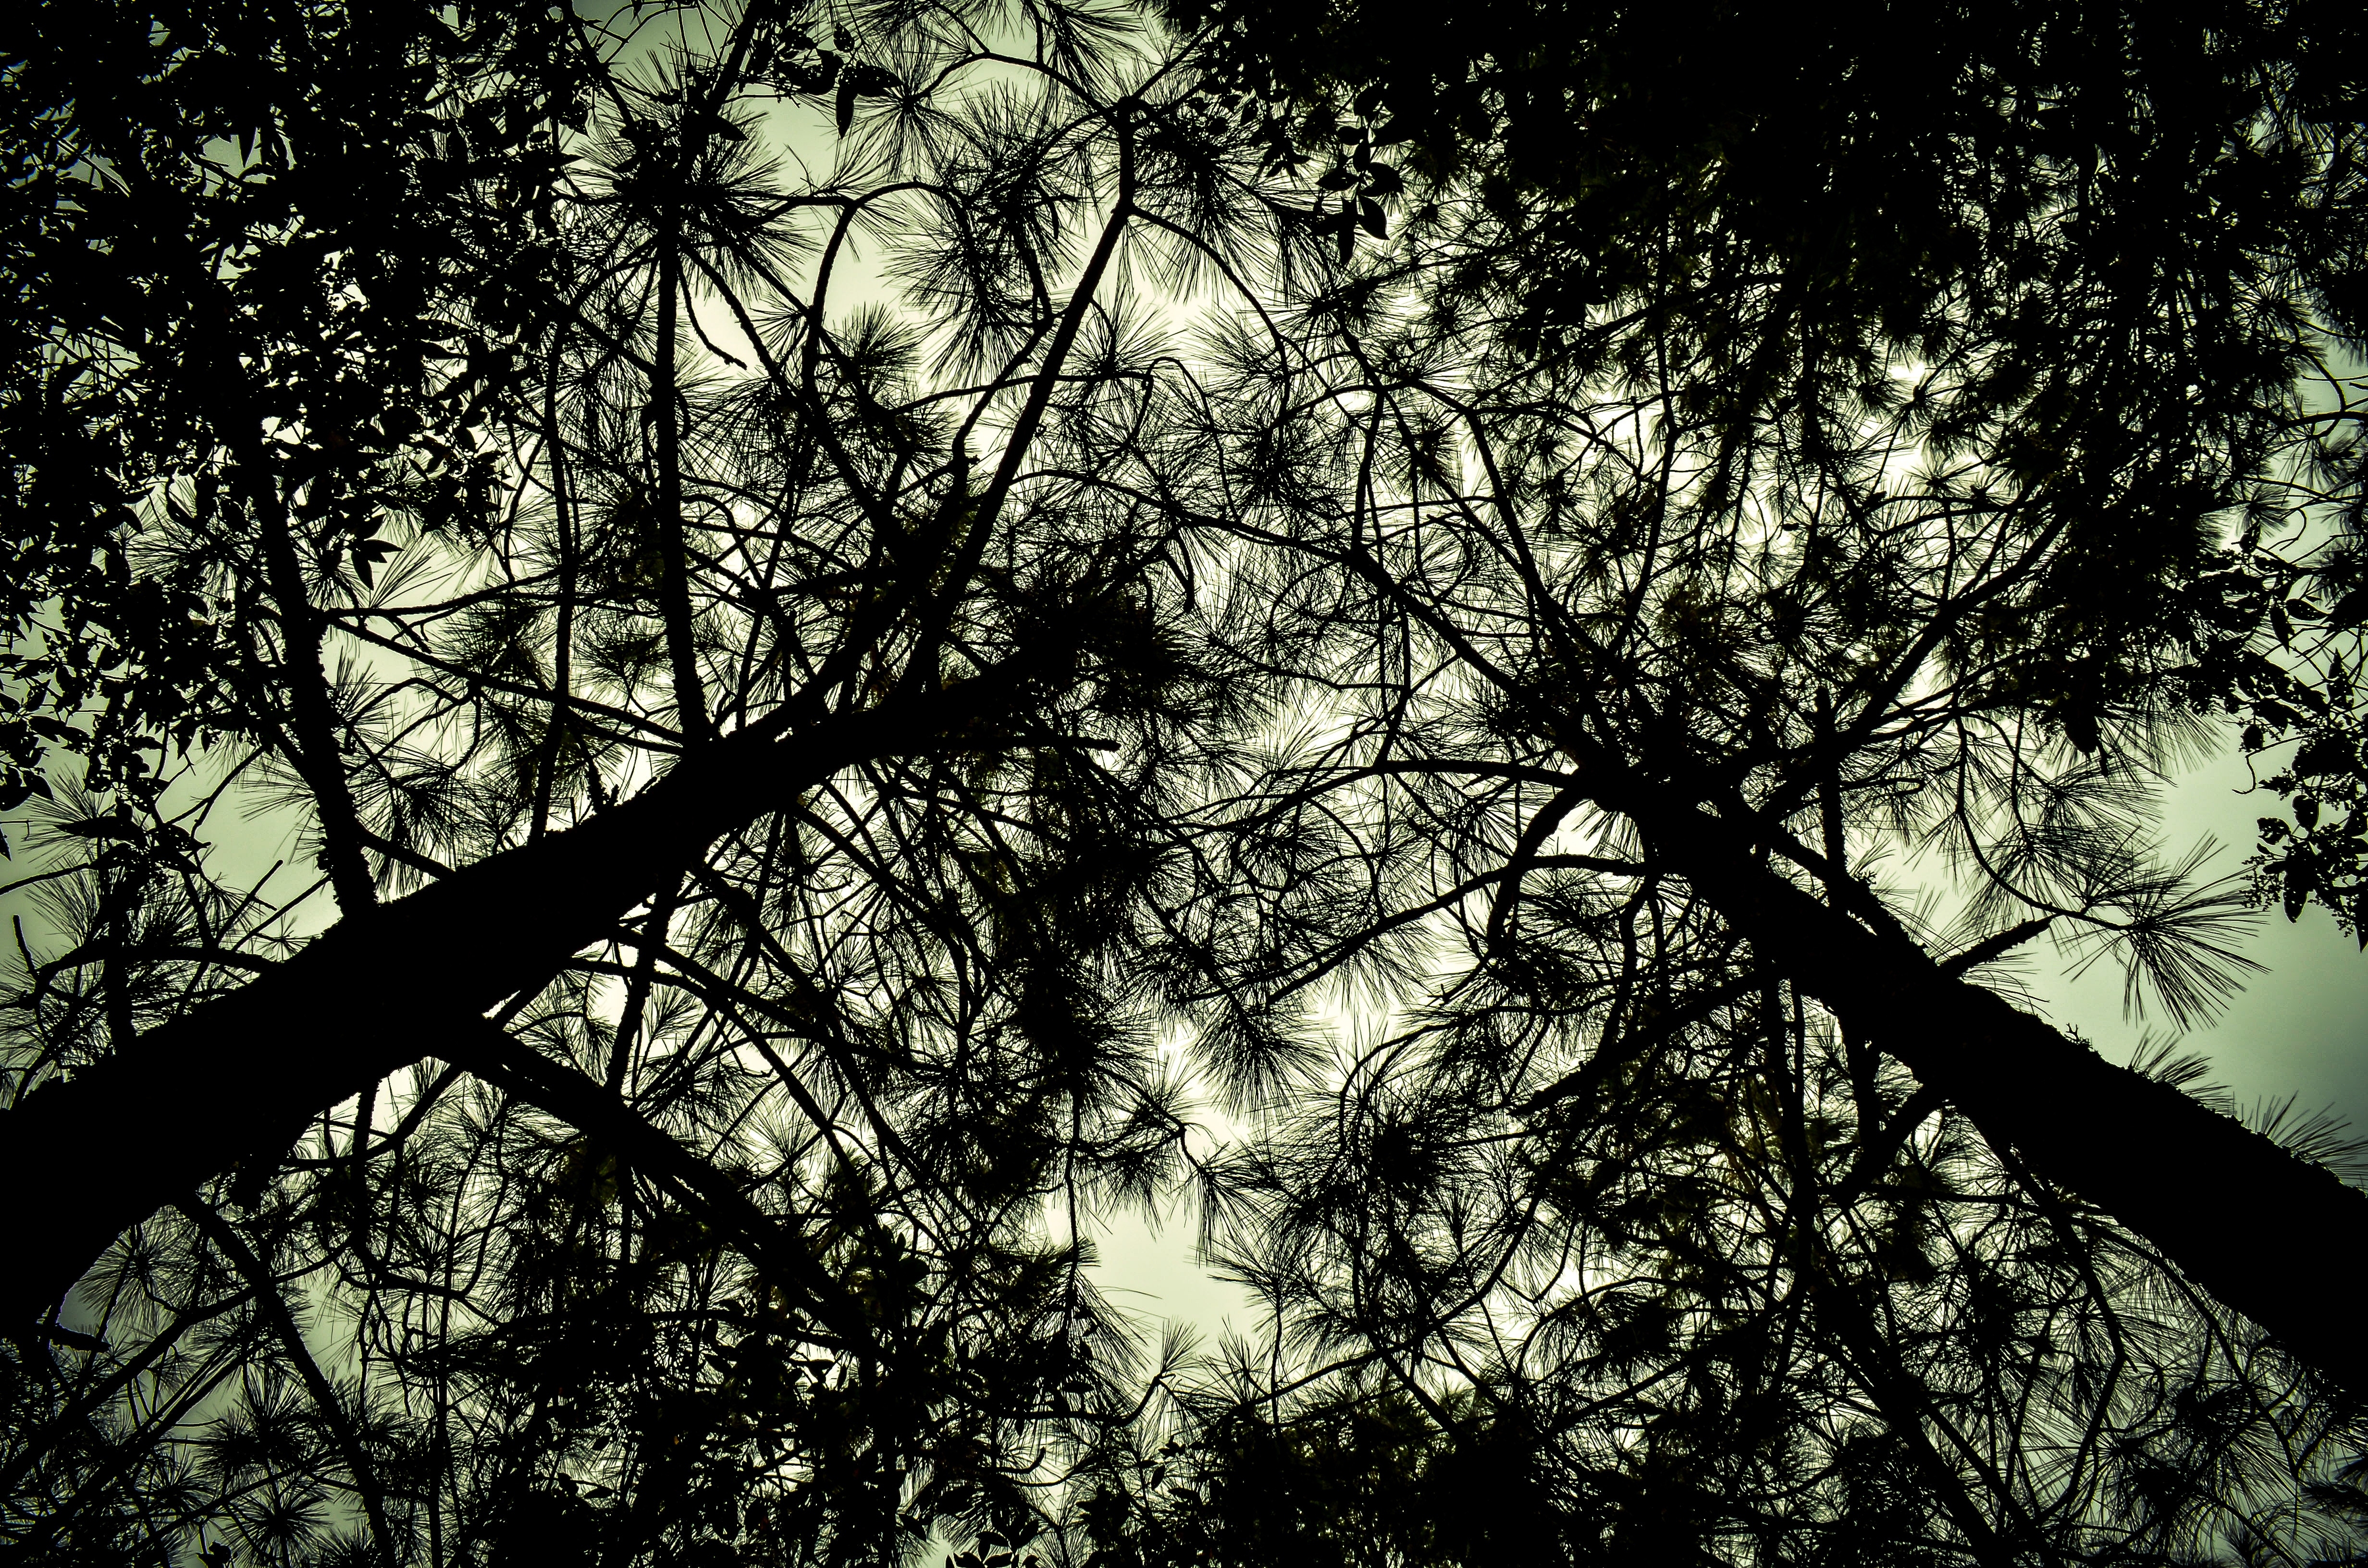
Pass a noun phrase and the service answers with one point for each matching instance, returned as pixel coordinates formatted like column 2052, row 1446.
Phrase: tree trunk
column 237, row 1078
column 2277, row 1238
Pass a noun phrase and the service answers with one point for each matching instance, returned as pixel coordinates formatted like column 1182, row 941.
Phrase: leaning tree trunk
column 2272, row 1235
column 237, row 1078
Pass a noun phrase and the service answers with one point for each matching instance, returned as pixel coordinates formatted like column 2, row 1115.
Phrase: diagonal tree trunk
column 2279, row 1239
column 237, row 1078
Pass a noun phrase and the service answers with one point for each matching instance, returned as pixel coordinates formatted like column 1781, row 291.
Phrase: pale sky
column 2301, row 1029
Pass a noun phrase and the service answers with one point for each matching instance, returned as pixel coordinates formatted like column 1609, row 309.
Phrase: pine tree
column 1693, row 535
column 662, row 506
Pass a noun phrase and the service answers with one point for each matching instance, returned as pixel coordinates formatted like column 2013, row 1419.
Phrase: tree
column 1662, row 563
column 772, row 765
column 2205, row 158
column 731, row 718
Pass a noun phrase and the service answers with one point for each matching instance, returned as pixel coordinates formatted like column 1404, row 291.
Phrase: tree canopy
column 884, row 627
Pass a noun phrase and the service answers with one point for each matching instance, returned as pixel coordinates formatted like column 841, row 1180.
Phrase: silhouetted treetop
column 2135, row 231
column 1464, row 649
